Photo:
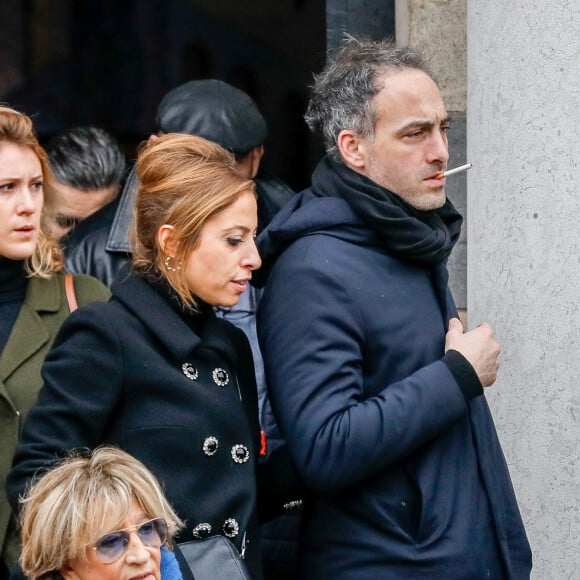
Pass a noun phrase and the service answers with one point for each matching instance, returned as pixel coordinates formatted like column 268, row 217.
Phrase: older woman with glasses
column 98, row 515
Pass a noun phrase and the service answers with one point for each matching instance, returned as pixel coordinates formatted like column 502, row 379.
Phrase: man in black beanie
column 221, row 113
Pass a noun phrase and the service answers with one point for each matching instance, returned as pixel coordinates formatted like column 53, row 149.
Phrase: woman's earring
column 168, row 265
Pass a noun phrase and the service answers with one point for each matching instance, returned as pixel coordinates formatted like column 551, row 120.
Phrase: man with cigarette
column 378, row 389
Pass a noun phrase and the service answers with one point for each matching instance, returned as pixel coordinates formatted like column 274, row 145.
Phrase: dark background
column 109, row 62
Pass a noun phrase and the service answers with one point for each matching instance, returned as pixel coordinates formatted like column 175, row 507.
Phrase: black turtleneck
column 13, row 283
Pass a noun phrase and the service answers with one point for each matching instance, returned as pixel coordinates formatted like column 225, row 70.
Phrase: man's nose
column 438, row 148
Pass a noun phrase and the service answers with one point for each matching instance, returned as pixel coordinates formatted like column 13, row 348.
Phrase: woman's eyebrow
column 234, row 228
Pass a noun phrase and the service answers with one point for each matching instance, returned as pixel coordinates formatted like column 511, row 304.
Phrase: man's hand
column 478, row 346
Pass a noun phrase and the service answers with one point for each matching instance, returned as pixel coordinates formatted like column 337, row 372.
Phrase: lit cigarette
column 453, row 171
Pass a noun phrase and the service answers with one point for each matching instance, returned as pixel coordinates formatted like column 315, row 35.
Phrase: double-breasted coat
column 180, row 397
column 42, row 313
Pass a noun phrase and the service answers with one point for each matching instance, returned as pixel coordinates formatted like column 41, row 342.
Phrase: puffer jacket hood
column 306, row 214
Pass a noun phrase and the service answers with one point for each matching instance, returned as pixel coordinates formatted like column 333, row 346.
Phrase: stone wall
column 438, row 28
column 524, row 253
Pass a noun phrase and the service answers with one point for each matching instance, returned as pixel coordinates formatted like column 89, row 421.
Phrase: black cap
column 214, row 110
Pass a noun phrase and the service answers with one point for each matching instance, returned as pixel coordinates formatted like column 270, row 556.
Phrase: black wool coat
column 133, row 373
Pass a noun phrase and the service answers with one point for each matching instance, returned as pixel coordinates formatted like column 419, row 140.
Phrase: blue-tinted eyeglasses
column 112, row 546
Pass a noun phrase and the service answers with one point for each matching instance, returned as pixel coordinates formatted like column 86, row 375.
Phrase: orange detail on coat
column 263, row 443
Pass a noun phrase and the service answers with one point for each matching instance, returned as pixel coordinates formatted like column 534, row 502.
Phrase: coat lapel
column 155, row 313
column 30, row 334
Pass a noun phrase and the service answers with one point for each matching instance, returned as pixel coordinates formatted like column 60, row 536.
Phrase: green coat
column 44, row 309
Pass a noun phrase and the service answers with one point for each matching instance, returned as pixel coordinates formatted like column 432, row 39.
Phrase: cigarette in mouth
column 452, row 171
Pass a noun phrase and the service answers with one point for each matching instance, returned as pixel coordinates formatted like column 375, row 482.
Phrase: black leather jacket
column 87, row 250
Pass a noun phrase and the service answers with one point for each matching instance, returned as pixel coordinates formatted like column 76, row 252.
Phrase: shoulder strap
column 69, row 287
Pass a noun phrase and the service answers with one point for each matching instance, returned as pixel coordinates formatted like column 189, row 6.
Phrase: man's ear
column 257, row 154
column 167, row 240
column 349, row 145
column 247, row 166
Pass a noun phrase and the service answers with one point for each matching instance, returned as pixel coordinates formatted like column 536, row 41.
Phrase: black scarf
column 422, row 237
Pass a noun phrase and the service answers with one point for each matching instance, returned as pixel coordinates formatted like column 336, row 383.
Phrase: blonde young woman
column 154, row 371
column 33, row 302
column 108, row 519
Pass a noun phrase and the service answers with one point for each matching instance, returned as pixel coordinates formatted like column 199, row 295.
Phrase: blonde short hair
column 184, row 181
column 17, row 129
column 65, row 510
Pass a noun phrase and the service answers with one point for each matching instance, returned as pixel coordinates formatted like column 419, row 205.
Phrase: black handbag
column 214, row 558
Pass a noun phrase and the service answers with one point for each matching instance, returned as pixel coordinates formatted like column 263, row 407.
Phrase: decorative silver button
column 220, row 377
column 240, row 453
column 201, row 530
column 292, row 505
column 190, row 371
column 231, row 528
column 210, row 446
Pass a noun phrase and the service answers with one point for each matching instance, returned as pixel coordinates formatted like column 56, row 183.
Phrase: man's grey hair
column 342, row 93
column 87, row 158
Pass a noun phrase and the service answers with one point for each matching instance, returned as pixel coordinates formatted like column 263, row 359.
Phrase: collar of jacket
column 118, row 240
column 42, row 295
column 161, row 319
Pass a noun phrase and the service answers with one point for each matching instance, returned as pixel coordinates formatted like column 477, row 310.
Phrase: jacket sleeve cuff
column 464, row 374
